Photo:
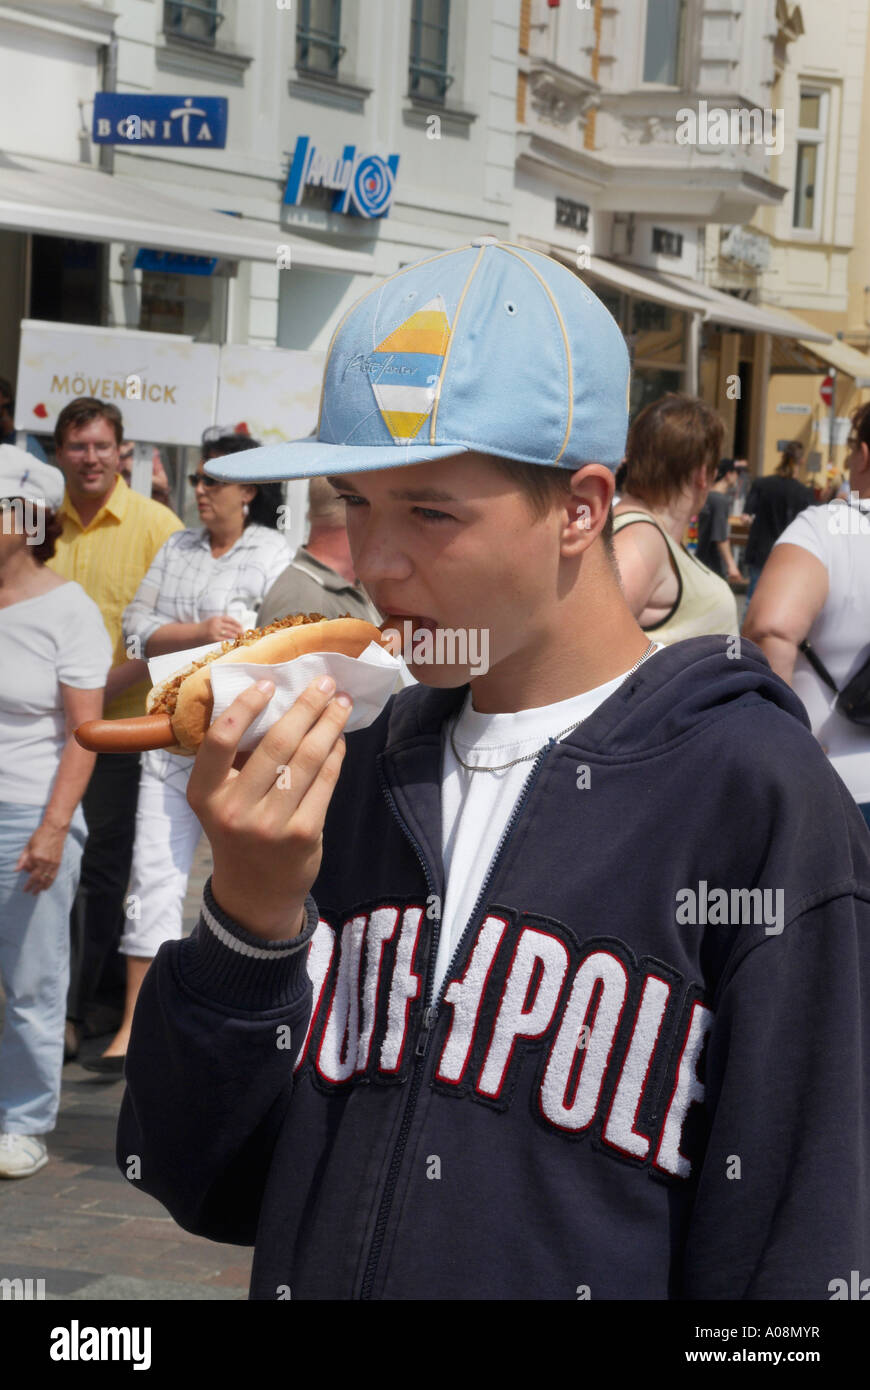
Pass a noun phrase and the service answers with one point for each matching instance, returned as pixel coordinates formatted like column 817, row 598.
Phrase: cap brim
column 310, row 458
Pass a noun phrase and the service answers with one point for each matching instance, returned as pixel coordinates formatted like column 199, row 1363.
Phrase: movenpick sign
column 134, row 118
column 164, row 385
column 363, row 183
column 167, row 387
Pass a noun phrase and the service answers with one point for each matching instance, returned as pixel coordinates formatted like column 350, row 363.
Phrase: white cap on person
column 22, row 475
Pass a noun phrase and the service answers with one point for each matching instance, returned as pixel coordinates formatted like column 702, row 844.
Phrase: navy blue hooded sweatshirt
column 645, row 1075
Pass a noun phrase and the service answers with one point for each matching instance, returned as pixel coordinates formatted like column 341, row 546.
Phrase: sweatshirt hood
column 670, row 697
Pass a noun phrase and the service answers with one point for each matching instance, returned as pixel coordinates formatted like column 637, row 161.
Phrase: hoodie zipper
column 430, row 1012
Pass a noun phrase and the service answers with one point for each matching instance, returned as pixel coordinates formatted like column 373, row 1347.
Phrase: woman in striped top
column 204, row 586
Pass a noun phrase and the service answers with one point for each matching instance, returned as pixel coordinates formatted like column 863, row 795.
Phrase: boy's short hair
column 667, row 442
column 82, row 411
column 547, row 487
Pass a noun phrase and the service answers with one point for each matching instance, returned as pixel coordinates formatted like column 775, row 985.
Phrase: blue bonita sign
column 131, row 118
column 363, row 184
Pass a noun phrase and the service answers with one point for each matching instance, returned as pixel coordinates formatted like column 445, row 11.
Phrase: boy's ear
column 587, row 507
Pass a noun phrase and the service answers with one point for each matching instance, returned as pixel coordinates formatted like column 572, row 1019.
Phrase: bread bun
column 193, row 710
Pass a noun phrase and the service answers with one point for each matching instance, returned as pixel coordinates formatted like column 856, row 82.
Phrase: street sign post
column 828, row 392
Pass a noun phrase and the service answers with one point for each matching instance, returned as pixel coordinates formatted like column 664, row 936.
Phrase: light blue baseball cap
column 491, row 348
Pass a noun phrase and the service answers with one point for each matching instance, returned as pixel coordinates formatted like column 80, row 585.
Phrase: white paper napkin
column 369, row 679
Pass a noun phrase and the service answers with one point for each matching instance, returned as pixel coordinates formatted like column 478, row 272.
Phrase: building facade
column 650, row 157
column 694, row 160
column 359, row 138
column 817, row 260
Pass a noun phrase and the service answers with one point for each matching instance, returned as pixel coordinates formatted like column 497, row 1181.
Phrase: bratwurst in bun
column 180, row 708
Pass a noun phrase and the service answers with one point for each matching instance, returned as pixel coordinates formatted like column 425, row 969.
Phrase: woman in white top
column 204, row 586
column 671, row 456
column 816, row 587
column 55, row 654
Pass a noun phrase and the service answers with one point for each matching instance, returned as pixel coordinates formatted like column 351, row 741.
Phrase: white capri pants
column 167, row 834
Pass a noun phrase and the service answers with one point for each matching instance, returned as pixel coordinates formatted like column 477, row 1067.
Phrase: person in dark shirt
column 320, row 578
column 714, row 547
column 773, row 503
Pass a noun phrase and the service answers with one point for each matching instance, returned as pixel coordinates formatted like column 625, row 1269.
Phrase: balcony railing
column 192, row 20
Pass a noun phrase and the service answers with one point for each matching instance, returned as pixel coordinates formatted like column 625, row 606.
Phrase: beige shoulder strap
column 628, row 518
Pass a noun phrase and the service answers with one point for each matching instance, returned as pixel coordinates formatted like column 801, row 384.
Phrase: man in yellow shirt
column 110, row 536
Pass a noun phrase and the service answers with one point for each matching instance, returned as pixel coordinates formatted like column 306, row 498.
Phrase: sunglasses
column 194, row 478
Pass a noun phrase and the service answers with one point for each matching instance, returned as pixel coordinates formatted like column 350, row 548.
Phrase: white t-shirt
column 476, row 806
column 841, row 633
column 56, row 636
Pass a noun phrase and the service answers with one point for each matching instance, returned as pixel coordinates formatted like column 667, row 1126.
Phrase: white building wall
column 448, row 189
column 48, row 74
column 808, row 268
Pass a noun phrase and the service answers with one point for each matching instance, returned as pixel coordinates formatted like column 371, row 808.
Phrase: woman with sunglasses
column 204, row 586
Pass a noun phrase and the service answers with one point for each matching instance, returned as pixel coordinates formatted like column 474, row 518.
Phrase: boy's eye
column 428, row 513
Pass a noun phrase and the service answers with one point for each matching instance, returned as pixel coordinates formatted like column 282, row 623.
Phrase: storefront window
column 190, row 304
column 649, row 384
column 613, row 301
column 657, row 333
column 66, row 280
column 647, row 316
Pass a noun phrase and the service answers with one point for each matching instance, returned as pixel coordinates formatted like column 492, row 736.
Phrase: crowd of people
column 96, row 850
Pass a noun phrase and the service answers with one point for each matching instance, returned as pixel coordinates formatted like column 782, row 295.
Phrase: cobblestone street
column 87, row 1232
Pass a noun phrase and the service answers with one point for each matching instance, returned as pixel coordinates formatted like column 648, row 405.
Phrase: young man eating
column 518, row 992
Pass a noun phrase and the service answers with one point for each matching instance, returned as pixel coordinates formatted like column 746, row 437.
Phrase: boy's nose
column 376, row 557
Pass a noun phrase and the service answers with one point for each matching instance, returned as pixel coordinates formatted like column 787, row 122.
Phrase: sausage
column 140, row 733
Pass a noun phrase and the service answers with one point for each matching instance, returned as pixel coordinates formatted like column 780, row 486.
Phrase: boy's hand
column 265, row 821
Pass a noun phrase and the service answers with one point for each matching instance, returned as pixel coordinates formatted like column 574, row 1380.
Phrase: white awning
column 72, row 200
column 834, row 353
column 623, row 277
column 690, row 296
column 737, row 313
column 846, row 359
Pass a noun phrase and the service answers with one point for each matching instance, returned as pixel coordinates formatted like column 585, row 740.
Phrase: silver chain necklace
column 527, row 757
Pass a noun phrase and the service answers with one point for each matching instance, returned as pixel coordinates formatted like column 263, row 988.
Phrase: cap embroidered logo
column 420, row 343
